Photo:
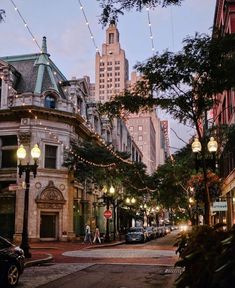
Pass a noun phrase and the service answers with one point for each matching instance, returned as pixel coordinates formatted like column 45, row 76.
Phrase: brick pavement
column 53, row 251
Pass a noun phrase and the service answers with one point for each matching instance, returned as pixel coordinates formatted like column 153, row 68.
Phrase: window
column 111, row 38
column 140, row 128
column 140, row 138
column 50, row 156
column 50, row 102
column 131, row 128
column 8, row 146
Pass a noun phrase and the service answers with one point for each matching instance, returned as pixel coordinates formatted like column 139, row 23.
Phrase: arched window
column 50, row 102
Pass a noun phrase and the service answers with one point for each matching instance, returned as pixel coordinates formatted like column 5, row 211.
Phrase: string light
column 25, row 24
column 97, row 165
column 150, row 30
column 88, row 25
column 96, row 48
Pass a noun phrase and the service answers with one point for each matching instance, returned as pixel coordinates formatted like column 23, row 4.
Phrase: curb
column 105, row 245
column 48, row 259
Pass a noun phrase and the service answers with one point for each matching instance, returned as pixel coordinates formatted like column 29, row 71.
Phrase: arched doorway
column 50, row 202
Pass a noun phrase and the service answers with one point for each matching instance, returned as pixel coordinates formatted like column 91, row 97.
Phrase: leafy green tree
column 172, row 180
column 99, row 165
column 2, row 15
column 183, row 84
column 111, row 9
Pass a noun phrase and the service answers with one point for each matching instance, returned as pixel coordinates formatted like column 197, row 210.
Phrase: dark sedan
column 136, row 234
column 11, row 263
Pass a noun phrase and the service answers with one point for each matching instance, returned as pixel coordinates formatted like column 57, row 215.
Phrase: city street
column 117, row 144
column 139, row 265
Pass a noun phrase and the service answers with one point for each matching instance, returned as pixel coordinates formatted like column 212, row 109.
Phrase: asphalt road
column 124, row 266
column 117, row 276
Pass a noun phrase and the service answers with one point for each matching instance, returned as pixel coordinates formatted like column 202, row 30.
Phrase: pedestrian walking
column 97, row 235
column 87, row 237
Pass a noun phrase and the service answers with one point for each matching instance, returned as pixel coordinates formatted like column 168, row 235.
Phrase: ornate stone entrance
column 50, row 203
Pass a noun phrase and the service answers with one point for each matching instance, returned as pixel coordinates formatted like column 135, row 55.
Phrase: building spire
column 44, row 64
column 44, row 44
column 112, row 22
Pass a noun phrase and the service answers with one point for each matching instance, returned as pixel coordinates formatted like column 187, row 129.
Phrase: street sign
column 219, row 206
column 107, row 214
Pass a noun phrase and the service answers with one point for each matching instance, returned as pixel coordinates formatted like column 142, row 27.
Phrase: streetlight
column 21, row 154
column 130, row 202
column 108, row 195
column 212, row 147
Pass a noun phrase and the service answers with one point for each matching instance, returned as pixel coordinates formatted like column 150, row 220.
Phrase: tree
column 2, row 15
column 99, row 165
column 183, row 84
column 173, row 179
column 111, row 9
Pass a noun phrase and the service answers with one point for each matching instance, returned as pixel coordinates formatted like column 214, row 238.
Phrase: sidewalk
column 45, row 252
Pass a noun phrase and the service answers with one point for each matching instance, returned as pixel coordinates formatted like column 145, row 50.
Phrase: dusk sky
column 69, row 42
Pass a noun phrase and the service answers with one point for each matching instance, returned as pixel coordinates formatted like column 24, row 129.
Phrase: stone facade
column 39, row 105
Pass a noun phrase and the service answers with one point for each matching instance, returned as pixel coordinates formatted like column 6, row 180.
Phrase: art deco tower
column 111, row 67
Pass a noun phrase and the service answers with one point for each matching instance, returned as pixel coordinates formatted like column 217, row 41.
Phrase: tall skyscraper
column 111, row 67
column 111, row 78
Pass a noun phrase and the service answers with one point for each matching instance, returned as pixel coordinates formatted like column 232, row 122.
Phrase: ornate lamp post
column 205, row 163
column 212, row 147
column 130, row 202
column 21, row 154
column 108, row 196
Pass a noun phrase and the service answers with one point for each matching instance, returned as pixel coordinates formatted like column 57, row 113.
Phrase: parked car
column 136, row 234
column 11, row 263
column 151, row 233
column 161, row 231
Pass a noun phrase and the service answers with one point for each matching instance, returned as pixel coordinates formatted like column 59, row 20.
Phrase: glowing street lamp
column 205, row 164
column 21, row 154
column 212, row 147
column 108, row 195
